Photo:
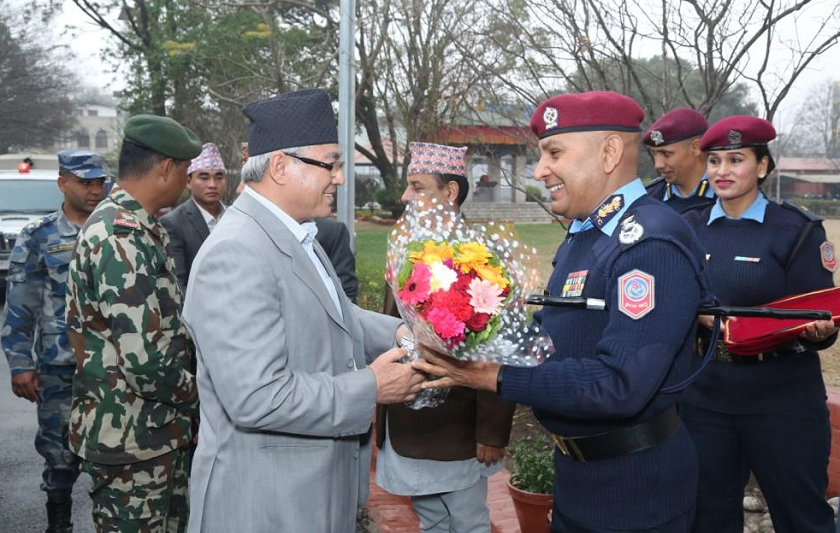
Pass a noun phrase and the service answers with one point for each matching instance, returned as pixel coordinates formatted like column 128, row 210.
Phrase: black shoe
column 59, row 512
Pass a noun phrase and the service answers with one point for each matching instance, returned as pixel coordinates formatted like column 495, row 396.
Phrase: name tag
column 55, row 248
column 747, row 259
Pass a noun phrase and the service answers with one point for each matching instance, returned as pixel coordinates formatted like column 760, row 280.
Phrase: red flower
column 456, row 302
column 505, row 292
column 445, row 324
column 478, row 321
column 462, row 284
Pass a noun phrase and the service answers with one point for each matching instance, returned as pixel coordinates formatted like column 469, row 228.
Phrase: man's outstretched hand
column 455, row 372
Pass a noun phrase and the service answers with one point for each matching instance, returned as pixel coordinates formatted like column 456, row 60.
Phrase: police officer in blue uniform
column 674, row 142
column 34, row 323
column 762, row 413
column 624, row 460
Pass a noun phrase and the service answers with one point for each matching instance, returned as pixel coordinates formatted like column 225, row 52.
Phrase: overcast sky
column 89, row 40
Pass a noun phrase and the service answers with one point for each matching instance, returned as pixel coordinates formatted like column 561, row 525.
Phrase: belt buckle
column 569, row 448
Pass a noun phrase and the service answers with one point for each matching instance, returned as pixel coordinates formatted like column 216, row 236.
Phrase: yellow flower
column 432, row 253
column 470, row 256
column 493, row 274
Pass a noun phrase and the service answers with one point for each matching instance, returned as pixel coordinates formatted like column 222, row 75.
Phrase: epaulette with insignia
column 40, row 223
column 810, row 215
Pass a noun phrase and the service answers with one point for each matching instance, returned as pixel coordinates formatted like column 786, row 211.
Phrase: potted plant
column 531, row 483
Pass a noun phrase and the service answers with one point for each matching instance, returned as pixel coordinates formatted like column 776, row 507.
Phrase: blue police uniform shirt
column 629, row 192
column 754, row 212
column 674, row 192
column 36, row 287
column 609, row 367
column 751, row 261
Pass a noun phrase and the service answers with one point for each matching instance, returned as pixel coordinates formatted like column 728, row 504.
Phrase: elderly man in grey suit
column 287, row 369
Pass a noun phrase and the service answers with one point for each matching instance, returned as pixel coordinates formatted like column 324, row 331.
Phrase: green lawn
column 371, row 240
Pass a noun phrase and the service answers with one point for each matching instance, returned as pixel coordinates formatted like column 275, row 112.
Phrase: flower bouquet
column 461, row 289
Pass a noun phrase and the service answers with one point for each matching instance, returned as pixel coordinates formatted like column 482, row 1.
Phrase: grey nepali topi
column 301, row 118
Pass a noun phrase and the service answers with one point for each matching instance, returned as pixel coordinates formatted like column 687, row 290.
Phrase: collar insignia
column 608, row 209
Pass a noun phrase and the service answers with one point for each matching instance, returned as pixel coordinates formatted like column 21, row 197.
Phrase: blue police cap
column 83, row 164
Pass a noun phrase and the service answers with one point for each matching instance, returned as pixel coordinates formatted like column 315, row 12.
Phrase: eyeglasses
column 334, row 167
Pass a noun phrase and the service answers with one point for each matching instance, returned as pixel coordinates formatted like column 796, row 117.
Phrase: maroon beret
column 736, row 131
column 589, row 111
column 677, row 125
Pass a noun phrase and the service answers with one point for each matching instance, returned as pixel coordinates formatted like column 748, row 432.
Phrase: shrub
column 532, row 465
column 390, row 199
column 533, row 193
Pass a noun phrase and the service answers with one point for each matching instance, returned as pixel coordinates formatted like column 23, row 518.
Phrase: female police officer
column 767, row 413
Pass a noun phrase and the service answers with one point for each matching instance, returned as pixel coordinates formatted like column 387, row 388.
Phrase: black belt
column 725, row 356
column 620, row 442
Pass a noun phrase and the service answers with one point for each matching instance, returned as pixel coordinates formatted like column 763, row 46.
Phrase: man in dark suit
column 190, row 223
column 441, row 457
column 335, row 239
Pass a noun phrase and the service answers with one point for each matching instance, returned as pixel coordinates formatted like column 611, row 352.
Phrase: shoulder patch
column 636, row 294
column 828, row 257
column 810, row 215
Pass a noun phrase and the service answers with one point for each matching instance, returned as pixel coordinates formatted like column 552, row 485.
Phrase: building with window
column 97, row 128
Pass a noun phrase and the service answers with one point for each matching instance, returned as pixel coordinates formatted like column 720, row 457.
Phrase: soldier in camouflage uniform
column 133, row 397
column 34, row 324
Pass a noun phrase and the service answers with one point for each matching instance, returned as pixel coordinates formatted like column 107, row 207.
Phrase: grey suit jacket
column 187, row 232
column 283, row 444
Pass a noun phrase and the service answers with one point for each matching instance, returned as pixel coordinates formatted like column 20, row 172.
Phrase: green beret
column 163, row 135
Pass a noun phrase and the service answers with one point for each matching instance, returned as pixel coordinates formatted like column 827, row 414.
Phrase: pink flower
column 416, row 289
column 445, row 323
column 485, row 296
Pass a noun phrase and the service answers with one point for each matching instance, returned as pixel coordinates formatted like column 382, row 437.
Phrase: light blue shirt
column 305, row 235
column 675, row 191
column 754, row 212
column 631, row 192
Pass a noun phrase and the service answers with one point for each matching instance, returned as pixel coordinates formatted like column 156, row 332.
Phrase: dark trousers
column 786, row 451
column 563, row 524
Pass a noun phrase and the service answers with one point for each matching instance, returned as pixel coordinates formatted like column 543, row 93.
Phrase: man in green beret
column 133, row 398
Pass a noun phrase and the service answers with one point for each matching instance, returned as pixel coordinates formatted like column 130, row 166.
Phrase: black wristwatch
column 499, row 381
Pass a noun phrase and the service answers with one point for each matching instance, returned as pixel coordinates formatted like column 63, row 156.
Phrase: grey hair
column 254, row 168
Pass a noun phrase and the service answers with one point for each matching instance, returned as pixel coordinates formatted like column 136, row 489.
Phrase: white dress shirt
column 209, row 219
column 305, row 235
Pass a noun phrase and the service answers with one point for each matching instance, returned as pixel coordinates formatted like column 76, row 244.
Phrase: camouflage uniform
column 34, row 322
column 132, row 395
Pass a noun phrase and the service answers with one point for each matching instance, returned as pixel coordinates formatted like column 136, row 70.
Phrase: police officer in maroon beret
column 674, row 142
column 608, row 394
column 766, row 414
